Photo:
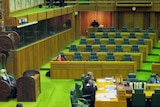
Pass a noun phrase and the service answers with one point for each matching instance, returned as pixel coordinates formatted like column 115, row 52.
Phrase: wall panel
column 138, row 19
column 103, row 17
column 36, row 55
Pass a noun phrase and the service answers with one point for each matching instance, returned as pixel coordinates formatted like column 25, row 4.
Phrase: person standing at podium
column 94, row 23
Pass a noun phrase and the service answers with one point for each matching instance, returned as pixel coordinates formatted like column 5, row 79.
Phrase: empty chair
column 125, row 41
column 138, row 98
column 102, row 48
column 92, row 35
column 111, row 29
column 97, row 41
column 83, row 41
column 110, row 56
column 124, row 29
column 111, row 41
column 118, row 35
column 127, row 57
column 73, row 48
column 93, row 56
column 105, row 35
column 132, row 77
column 141, row 41
column 132, row 35
column 155, row 98
column 88, row 48
column 100, row 29
column 118, row 48
column 137, row 29
column 135, row 48
column 77, row 56
column 150, row 30
column 146, row 35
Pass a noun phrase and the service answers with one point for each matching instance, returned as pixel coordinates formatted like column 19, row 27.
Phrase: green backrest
column 78, row 90
column 139, row 90
column 155, row 100
column 157, row 90
column 138, row 100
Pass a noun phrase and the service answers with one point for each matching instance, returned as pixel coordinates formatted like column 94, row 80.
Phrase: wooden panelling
column 6, row 7
column 118, row 41
column 138, row 20
column 153, row 36
column 10, row 21
column 58, row 12
column 61, row 69
column 86, row 18
column 36, row 55
column 70, row 9
column 32, row 18
column 156, row 68
column 128, row 19
column 29, row 53
column 126, row 48
column 41, row 16
column 64, row 11
column 73, row 67
column 137, row 57
column 96, row 68
column 88, row 7
column 50, row 14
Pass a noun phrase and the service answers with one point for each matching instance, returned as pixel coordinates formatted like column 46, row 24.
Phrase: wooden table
column 116, row 102
column 105, row 102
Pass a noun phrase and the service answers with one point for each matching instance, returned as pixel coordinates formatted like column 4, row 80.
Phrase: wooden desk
column 113, row 102
column 148, row 42
column 137, row 57
column 100, row 69
column 150, row 90
column 153, row 36
column 156, row 68
column 126, row 48
column 116, row 102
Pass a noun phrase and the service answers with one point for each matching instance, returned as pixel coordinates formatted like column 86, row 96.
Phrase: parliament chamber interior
column 122, row 51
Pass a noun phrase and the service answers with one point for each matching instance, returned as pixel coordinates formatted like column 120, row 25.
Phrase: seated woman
column 60, row 58
column 10, row 81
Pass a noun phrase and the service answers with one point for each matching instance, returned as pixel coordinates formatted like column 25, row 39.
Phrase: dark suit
column 91, row 90
column 61, row 3
column 87, row 78
column 94, row 24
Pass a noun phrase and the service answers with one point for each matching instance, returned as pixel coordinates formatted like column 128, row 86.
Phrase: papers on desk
column 102, row 97
column 111, row 92
column 105, row 96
